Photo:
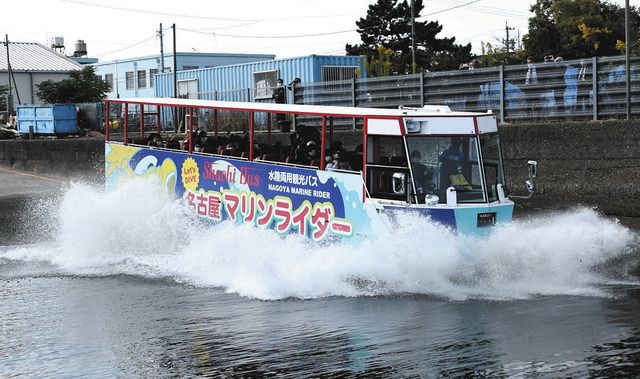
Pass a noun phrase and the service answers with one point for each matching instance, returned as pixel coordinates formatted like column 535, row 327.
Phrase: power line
column 448, row 9
column 488, row 10
column 269, row 37
column 143, row 11
column 320, row 34
column 130, row 46
column 156, row 12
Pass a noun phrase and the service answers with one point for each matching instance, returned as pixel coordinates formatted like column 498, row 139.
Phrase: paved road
column 19, row 203
column 19, row 184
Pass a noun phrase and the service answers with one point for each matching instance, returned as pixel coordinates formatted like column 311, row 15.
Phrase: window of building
column 129, row 79
column 188, row 89
column 142, row 79
column 338, row 73
column 189, row 67
column 263, row 82
column 152, row 77
column 109, row 79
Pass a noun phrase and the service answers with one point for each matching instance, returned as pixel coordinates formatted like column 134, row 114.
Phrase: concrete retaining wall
column 64, row 158
column 589, row 163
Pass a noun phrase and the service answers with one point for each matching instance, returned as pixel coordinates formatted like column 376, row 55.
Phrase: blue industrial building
column 135, row 77
column 255, row 80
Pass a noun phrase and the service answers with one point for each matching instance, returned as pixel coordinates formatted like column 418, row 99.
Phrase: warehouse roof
column 30, row 56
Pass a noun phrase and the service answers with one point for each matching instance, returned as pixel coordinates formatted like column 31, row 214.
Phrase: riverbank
column 64, row 158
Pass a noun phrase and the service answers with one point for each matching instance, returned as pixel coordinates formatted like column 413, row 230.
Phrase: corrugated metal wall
column 238, row 78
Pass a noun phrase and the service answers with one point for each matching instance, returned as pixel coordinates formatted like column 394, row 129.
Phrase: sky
column 118, row 29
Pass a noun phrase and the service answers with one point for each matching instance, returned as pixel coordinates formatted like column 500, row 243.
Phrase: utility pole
column 627, row 42
column 508, row 42
column 175, row 64
column 175, row 79
column 9, row 96
column 413, row 40
column 160, row 34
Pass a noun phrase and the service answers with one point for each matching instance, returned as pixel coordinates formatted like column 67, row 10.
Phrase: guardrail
column 582, row 89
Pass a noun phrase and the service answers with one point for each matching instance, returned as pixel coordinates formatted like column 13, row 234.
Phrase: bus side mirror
column 399, row 180
column 533, row 169
column 531, row 186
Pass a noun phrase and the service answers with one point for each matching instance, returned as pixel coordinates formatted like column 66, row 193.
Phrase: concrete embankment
column 586, row 163
column 589, row 163
column 58, row 158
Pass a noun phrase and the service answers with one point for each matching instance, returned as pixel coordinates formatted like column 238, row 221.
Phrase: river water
column 125, row 284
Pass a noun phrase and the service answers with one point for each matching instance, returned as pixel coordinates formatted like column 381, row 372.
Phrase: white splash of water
column 138, row 230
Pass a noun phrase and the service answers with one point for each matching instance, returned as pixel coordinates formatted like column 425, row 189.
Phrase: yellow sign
column 190, row 174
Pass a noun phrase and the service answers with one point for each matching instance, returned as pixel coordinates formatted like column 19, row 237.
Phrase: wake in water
column 138, row 230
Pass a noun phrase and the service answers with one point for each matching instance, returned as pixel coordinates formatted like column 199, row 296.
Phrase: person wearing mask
column 280, row 96
column 337, row 163
column 278, row 93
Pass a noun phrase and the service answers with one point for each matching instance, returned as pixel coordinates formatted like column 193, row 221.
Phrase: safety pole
column 269, row 128
column 106, row 121
column 365, row 130
column 126, row 119
column 141, row 120
column 250, row 136
column 158, row 128
column 190, row 130
column 324, row 128
column 330, row 131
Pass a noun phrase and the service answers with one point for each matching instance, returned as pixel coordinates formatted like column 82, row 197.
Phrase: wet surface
column 127, row 326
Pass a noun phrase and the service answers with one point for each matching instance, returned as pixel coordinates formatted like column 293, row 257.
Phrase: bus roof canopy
column 314, row 110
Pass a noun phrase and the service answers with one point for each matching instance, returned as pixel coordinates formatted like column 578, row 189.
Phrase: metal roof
column 30, row 56
column 318, row 110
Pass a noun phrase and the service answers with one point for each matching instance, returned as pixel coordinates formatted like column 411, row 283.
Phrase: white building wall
column 26, row 83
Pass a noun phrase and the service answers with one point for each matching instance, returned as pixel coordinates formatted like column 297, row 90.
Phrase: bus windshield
column 441, row 162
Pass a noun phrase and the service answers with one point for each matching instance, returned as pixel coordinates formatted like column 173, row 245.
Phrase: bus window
column 387, row 169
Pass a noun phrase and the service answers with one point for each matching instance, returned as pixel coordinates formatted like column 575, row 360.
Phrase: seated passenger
column 312, row 151
column 338, row 163
column 200, row 138
column 155, row 140
column 423, row 175
column 450, row 162
column 230, row 150
column 305, row 153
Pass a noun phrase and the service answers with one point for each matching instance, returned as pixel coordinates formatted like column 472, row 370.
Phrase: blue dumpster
column 47, row 119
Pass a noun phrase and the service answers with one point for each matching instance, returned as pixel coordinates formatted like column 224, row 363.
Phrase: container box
column 47, row 119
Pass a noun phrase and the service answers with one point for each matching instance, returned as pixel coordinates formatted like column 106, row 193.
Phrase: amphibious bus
column 431, row 161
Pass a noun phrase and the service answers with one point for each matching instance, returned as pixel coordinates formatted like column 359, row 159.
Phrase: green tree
column 82, row 86
column 577, row 28
column 496, row 56
column 388, row 24
column 378, row 64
